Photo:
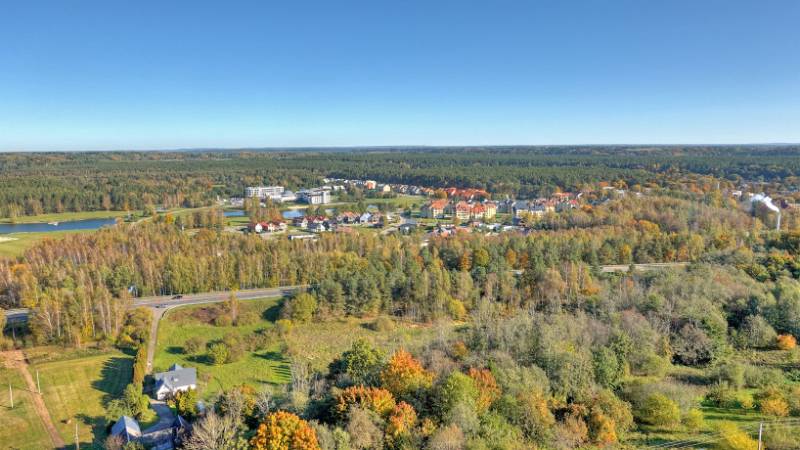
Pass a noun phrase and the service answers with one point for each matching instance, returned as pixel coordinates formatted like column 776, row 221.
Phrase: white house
column 175, row 380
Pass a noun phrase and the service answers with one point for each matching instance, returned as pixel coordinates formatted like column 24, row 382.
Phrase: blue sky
column 88, row 75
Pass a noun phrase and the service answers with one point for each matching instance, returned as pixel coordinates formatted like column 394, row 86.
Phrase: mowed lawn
column 20, row 428
column 65, row 217
column 266, row 366
column 15, row 244
column 77, row 390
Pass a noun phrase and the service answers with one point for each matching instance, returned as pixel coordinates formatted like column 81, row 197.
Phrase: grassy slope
column 267, row 366
column 20, row 428
column 78, row 389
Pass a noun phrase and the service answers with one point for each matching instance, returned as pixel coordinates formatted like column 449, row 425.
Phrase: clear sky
column 172, row 74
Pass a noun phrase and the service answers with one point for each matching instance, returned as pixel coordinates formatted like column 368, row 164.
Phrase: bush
column 194, row 345
column 300, row 308
column 732, row 438
column 660, row 411
column 383, row 324
column 218, row 353
column 248, row 318
column 694, row 420
column 223, row 320
column 786, row 342
column 775, row 407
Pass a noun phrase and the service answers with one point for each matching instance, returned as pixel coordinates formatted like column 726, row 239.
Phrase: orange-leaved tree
column 377, row 400
column 401, row 420
column 488, row 391
column 404, row 375
column 284, row 431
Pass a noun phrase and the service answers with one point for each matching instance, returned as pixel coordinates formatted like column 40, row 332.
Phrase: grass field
column 321, row 342
column 65, row 217
column 77, row 390
column 15, row 244
column 20, row 428
column 266, row 366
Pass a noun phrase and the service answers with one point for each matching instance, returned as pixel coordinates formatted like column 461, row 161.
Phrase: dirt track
column 16, row 360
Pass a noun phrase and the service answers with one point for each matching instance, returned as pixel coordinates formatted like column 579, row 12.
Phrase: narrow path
column 165, row 416
column 15, row 359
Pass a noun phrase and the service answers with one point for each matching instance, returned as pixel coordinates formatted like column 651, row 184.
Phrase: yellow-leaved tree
column 284, row 431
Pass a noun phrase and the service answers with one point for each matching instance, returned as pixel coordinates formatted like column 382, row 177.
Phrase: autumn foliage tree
column 284, row 431
column 404, row 375
column 380, row 401
column 401, row 420
column 786, row 342
column 488, row 391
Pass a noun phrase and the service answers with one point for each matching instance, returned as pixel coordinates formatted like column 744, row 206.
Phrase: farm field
column 267, row 366
column 20, row 428
column 77, row 390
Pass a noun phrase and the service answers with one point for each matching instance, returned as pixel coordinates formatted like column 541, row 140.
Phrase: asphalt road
column 171, row 301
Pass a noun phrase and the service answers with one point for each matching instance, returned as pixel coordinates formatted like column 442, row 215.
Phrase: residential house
column 434, row 209
column 370, row 184
column 300, row 222
column 461, row 210
column 176, row 379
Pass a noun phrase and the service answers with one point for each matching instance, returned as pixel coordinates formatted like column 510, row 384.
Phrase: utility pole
column 11, row 395
column 760, row 432
column 77, row 445
column 38, row 386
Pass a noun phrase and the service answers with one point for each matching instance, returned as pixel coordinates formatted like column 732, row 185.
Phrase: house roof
column 126, row 426
column 437, row 204
column 176, row 377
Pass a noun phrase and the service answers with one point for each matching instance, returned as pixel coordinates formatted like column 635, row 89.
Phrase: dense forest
column 54, row 182
column 536, row 345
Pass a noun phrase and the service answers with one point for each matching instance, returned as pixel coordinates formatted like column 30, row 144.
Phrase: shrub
column 732, row 438
column 218, row 353
column 786, row 342
column 775, row 406
column 223, row 320
column 694, row 420
column 361, row 364
column 194, row 345
column 300, row 308
column 383, row 324
column 658, row 410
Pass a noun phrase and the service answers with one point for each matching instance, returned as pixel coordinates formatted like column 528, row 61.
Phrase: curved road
column 161, row 304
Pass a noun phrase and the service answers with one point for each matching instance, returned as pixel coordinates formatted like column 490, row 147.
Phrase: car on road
column 161, row 305
column 177, row 297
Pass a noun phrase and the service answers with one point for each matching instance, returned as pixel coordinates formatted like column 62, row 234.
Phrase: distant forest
column 36, row 183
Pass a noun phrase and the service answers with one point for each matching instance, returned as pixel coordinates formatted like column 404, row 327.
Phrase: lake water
column 234, row 213
column 292, row 213
column 87, row 224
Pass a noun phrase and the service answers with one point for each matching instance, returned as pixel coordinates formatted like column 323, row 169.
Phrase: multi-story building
column 264, row 192
column 314, row 196
column 434, row 209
